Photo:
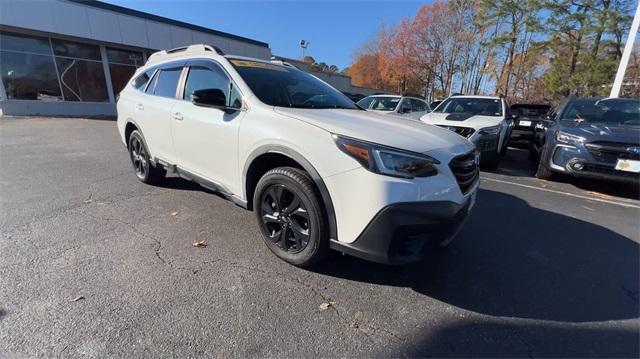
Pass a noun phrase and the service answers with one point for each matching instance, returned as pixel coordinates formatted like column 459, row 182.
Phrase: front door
column 205, row 138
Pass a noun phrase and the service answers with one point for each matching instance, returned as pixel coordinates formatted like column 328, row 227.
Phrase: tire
column 505, row 146
column 491, row 162
column 300, row 235
column 139, row 154
column 533, row 154
column 543, row 172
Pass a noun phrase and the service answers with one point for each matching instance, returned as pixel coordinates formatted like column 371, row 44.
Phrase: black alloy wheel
column 291, row 216
column 285, row 217
column 140, row 159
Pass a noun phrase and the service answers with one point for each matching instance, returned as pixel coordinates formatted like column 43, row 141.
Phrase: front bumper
column 564, row 159
column 403, row 232
column 522, row 136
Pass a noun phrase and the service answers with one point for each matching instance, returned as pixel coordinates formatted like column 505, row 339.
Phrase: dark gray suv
column 591, row 137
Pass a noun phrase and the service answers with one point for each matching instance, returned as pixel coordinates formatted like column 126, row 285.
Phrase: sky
column 335, row 29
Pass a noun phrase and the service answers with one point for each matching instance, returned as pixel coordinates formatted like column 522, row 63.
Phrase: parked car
column 591, row 137
column 318, row 171
column 484, row 120
column 405, row 106
column 526, row 117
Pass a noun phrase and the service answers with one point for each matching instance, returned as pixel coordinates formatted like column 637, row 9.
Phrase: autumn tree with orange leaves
column 511, row 47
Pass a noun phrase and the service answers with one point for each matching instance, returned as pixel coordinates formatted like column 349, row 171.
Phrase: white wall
column 84, row 21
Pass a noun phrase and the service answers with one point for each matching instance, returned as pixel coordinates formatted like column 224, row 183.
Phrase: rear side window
column 166, row 83
column 141, row 81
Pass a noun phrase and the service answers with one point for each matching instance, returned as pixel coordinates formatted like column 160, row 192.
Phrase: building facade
column 71, row 58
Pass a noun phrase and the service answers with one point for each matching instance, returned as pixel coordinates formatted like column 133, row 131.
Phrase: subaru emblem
column 635, row 150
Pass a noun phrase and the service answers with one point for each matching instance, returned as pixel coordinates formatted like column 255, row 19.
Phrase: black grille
column 610, row 151
column 462, row 131
column 465, row 169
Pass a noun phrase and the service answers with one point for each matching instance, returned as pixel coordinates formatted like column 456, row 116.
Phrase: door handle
column 177, row 116
column 140, row 107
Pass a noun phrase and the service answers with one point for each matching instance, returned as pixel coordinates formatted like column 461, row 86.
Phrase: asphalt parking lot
column 94, row 263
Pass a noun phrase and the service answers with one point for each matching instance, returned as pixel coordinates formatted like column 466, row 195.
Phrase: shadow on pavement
column 3, row 313
column 495, row 339
column 514, row 260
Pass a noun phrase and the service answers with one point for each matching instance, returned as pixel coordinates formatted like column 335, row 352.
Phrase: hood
column 460, row 120
column 602, row 132
column 386, row 130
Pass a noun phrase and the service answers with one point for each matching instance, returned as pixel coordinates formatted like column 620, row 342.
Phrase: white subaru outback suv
column 317, row 171
column 484, row 120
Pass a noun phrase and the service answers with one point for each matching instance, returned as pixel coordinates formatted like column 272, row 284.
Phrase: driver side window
column 200, row 77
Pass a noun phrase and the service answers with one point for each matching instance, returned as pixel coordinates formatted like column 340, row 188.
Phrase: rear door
column 154, row 112
column 205, row 138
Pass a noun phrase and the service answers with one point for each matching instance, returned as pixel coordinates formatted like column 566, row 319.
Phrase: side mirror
column 209, row 98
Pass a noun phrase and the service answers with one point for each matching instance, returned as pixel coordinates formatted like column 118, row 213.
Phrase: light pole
column 303, row 45
column 624, row 61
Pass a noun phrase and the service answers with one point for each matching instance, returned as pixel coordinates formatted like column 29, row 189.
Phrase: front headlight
column 569, row 138
column 490, row 130
column 386, row 160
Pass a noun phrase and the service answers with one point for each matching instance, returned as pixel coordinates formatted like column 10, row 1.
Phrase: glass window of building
column 27, row 68
column 122, row 65
column 81, row 72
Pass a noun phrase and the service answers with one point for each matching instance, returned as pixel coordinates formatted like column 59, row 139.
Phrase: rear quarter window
column 141, row 81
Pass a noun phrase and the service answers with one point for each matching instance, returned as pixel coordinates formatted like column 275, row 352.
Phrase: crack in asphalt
column 91, row 184
column 527, row 345
column 368, row 330
column 61, row 211
column 135, row 230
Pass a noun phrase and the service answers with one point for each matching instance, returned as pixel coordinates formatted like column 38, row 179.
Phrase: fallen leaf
column 354, row 325
column 78, row 298
column 326, row 305
column 200, row 244
column 174, row 213
column 601, row 195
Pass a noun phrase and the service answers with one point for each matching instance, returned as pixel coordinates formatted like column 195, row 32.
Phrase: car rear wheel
column 140, row 160
column 291, row 219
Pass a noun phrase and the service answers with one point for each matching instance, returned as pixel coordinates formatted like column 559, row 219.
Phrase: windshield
column 610, row 111
column 530, row 110
column 282, row 86
column 474, row 106
column 380, row 103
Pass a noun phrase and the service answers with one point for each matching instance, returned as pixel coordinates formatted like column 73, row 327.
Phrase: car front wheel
column 290, row 216
column 543, row 172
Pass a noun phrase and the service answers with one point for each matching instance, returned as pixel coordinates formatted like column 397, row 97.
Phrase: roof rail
column 181, row 51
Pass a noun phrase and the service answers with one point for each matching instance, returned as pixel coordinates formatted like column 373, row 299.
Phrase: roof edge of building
column 148, row 16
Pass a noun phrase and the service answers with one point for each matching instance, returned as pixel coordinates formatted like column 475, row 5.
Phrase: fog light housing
column 576, row 165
